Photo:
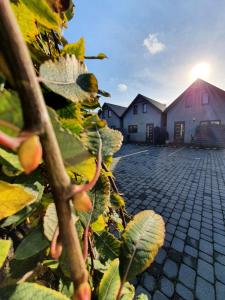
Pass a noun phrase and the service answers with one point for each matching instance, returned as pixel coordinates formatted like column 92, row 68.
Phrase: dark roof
column 199, row 83
column 117, row 109
column 159, row 106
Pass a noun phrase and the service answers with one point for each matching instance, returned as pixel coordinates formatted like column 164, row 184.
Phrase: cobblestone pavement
column 187, row 187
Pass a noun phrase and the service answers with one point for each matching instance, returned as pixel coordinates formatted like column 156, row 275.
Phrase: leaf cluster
column 116, row 252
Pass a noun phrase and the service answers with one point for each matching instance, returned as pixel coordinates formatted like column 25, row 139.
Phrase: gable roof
column 199, row 84
column 159, row 106
column 117, row 109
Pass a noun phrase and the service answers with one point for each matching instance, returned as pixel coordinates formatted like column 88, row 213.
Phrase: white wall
column 141, row 119
column 215, row 110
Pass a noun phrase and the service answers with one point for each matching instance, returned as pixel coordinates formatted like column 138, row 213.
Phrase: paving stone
column 194, row 233
column 180, row 234
column 205, row 270
column 220, row 272
column 184, row 292
column 205, row 257
column 191, row 251
column 160, row 256
column 141, row 290
column 170, row 269
column 149, row 282
column 178, row 244
column 220, row 291
column 190, row 261
column 204, row 290
column 206, row 247
column 219, row 257
column 187, row 276
column 167, row 287
column 159, row 296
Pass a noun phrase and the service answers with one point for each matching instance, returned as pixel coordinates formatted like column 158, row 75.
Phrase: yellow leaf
column 4, row 250
column 99, row 225
column 86, row 168
column 14, row 197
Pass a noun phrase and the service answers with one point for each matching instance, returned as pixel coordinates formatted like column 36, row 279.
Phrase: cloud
column 153, row 44
column 121, row 87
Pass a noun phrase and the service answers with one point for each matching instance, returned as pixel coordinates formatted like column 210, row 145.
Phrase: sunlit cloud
column 153, row 44
column 122, row 88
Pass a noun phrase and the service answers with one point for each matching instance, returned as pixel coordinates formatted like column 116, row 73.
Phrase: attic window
column 135, row 109
column 205, row 98
column 109, row 113
column 144, row 108
column 188, row 101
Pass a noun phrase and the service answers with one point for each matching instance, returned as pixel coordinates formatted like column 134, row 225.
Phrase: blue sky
column 152, row 45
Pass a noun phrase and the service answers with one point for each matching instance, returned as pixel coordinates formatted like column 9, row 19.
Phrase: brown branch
column 36, row 119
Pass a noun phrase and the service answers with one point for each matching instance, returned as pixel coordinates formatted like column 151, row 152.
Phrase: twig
column 114, row 187
column 36, row 119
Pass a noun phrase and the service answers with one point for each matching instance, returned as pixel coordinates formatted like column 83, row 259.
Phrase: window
column 204, row 123
column 188, row 101
column 132, row 129
column 205, row 98
column 144, row 108
column 135, row 109
column 109, row 113
column 215, row 122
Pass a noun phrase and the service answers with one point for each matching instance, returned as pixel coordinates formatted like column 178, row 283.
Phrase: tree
column 63, row 222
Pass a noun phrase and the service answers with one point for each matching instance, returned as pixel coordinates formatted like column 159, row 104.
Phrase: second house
column 140, row 118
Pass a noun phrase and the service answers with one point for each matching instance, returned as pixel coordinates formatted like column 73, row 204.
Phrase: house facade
column 113, row 115
column 196, row 114
column 140, row 118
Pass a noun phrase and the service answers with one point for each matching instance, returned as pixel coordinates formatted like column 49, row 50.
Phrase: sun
column 200, row 70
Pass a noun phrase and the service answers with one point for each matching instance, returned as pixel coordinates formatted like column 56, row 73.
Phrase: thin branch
column 114, row 187
column 36, row 119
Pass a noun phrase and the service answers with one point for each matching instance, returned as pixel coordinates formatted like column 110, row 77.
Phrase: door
column 149, row 133
column 179, row 130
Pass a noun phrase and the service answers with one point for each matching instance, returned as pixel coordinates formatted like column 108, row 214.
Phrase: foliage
column 28, row 220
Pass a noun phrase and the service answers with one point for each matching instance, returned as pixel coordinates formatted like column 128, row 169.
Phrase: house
column 140, row 118
column 197, row 115
column 112, row 114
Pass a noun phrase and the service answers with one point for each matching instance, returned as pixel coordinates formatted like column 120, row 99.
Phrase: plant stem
column 114, row 187
column 36, row 119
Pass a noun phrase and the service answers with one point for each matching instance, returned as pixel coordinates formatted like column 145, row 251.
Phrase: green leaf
column 100, row 199
column 43, row 13
column 77, row 48
column 71, row 147
column 27, row 291
column 31, row 245
column 111, row 141
column 51, row 221
column 110, row 283
column 14, row 197
column 101, row 56
column 4, row 250
column 52, row 264
column 142, row 297
column 26, row 21
column 10, row 159
column 107, row 245
column 128, row 292
column 69, row 78
column 116, row 200
column 143, row 237
column 10, row 110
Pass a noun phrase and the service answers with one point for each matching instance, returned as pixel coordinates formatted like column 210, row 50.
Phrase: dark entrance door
column 179, row 130
column 149, row 133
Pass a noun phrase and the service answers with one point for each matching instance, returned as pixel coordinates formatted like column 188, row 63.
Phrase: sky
column 151, row 45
